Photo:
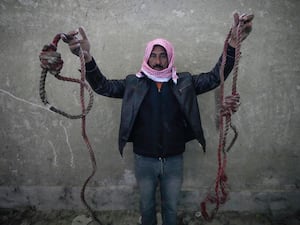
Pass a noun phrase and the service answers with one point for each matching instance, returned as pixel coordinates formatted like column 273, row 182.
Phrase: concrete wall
column 44, row 160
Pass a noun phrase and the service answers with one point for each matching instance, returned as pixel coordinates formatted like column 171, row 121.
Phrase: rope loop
column 52, row 62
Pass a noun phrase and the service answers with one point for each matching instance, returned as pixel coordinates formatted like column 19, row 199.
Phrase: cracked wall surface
column 44, row 159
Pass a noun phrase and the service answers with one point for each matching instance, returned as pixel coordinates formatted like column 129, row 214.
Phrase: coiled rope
column 51, row 62
column 229, row 105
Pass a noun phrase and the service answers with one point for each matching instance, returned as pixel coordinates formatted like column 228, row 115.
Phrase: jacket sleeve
column 205, row 82
column 101, row 85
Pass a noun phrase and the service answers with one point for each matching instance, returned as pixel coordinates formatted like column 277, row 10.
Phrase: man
column 159, row 115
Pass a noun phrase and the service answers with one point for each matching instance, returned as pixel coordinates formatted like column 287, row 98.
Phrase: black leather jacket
column 133, row 90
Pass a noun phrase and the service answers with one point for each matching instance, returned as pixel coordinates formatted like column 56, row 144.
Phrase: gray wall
column 44, row 160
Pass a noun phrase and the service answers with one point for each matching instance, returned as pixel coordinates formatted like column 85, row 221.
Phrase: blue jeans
column 166, row 172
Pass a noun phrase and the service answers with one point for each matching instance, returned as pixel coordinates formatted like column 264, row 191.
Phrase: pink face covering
column 162, row 75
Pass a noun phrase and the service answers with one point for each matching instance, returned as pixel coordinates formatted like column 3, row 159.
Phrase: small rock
column 82, row 220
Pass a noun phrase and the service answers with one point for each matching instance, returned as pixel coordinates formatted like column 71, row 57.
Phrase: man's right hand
column 76, row 42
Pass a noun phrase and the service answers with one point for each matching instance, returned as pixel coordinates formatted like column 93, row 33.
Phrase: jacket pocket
column 184, row 87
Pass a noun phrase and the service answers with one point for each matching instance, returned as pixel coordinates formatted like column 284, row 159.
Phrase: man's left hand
column 245, row 23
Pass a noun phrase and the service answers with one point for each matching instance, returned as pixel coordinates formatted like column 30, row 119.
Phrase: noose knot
column 230, row 105
column 50, row 59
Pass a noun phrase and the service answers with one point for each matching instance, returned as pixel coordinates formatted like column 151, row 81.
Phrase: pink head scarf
column 162, row 75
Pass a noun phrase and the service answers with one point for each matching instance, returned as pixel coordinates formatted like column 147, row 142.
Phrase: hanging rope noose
column 228, row 106
column 51, row 62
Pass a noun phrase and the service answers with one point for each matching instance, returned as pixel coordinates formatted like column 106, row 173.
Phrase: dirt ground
column 30, row 216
